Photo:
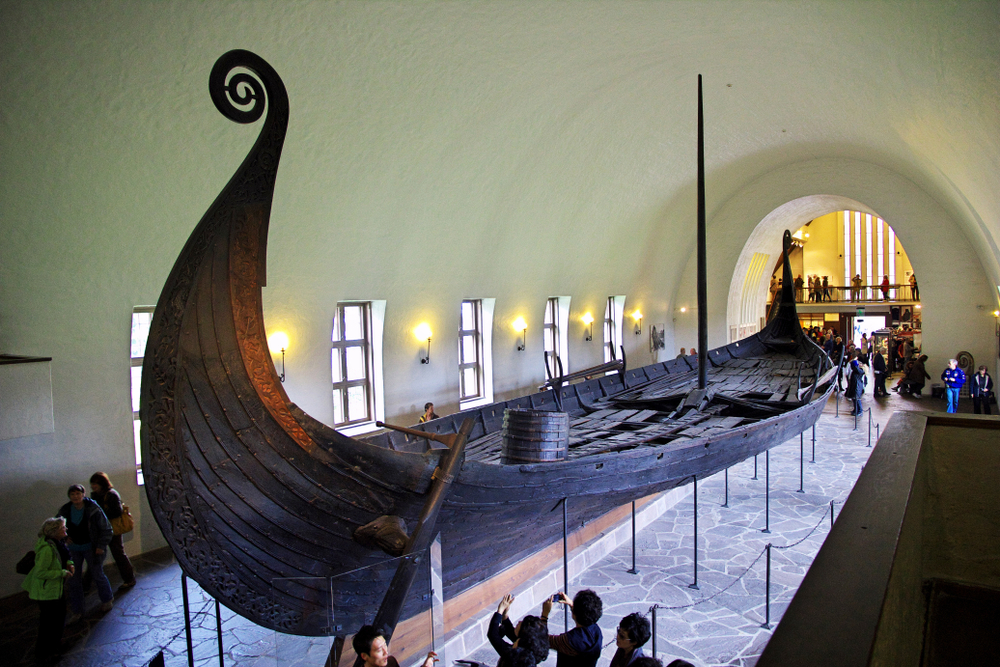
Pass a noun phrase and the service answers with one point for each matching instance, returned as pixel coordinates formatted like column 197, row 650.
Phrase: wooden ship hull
column 261, row 503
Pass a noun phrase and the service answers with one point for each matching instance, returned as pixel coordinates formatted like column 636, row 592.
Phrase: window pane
column 338, row 407
column 468, row 349
column 136, row 384
column 468, row 316
column 470, row 385
column 357, row 404
column 353, row 323
column 355, row 363
column 140, row 332
column 337, row 371
column 336, row 327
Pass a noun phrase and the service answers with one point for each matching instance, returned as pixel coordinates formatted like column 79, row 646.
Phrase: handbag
column 25, row 565
column 124, row 523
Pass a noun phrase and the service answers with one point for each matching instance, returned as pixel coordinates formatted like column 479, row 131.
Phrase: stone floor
column 718, row 624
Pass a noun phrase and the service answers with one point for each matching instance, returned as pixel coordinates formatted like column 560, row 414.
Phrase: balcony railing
column 863, row 294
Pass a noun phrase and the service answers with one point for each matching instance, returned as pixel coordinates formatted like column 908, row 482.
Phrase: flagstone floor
column 719, row 623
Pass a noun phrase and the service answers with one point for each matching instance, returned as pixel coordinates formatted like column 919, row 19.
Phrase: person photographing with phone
column 581, row 646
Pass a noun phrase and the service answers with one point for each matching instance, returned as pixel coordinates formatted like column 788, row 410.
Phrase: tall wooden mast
column 702, row 279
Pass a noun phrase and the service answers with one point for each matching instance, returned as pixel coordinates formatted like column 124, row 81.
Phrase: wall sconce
column 637, row 316
column 588, row 319
column 278, row 342
column 423, row 333
column 521, row 327
column 684, row 309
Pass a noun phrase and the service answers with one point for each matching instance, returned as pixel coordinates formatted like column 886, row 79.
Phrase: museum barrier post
column 767, row 491
column 813, row 459
column 767, row 592
column 695, row 485
column 633, row 570
column 801, row 463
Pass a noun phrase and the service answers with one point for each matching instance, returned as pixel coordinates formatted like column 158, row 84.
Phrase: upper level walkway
column 845, row 295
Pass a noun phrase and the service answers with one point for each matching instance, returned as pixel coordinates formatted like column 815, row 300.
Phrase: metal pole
column 654, row 630
column 754, row 467
column 702, row 253
column 836, row 394
column 695, row 584
column 877, row 436
column 813, row 459
column 802, row 456
column 218, row 632
column 633, row 570
column 767, row 492
column 565, row 565
column 187, row 619
column 831, row 515
column 726, row 504
column 869, row 427
column 767, row 593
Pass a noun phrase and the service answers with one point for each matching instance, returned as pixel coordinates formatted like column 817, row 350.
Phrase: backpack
column 25, row 565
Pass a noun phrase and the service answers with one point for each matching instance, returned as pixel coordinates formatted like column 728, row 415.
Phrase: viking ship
column 249, row 490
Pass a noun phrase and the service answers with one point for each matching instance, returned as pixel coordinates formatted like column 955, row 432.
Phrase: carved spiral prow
column 241, row 98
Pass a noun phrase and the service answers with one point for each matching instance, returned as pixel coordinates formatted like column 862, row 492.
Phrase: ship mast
column 702, row 279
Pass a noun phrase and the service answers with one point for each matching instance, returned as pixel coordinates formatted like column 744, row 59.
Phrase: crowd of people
column 71, row 544
column 528, row 643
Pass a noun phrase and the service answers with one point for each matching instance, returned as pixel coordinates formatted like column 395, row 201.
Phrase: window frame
column 340, row 348
column 137, row 362
column 476, row 363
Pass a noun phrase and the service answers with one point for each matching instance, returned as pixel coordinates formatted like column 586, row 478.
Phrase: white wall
column 440, row 151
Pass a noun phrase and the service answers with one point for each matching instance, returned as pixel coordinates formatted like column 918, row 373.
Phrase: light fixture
column 423, row 333
column 684, row 309
column 588, row 319
column 637, row 316
column 278, row 342
column 521, row 327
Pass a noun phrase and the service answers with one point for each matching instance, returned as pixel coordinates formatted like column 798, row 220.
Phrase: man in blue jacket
column 954, row 378
column 581, row 646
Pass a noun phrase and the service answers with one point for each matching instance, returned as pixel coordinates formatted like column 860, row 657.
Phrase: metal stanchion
column 187, row 619
column 654, row 630
column 869, row 427
column 831, row 515
column 565, row 565
column 802, row 457
column 695, row 584
column 877, row 436
column 218, row 631
column 767, row 492
column 726, row 503
column 767, row 592
column 754, row 467
column 836, row 402
column 633, row 570
column 813, row 459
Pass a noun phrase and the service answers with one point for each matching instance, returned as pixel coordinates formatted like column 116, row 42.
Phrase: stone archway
column 749, row 285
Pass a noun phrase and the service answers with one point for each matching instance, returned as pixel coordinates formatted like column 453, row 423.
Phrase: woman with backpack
column 44, row 584
column 104, row 494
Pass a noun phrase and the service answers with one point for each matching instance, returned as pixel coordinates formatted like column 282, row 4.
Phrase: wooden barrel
column 534, row 436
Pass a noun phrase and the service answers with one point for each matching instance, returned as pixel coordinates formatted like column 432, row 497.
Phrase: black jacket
column 94, row 528
column 980, row 385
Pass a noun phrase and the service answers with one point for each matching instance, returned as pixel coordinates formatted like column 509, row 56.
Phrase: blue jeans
column 75, row 584
column 952, row 394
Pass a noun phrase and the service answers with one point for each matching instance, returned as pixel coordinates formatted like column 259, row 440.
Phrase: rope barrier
column 657, row 605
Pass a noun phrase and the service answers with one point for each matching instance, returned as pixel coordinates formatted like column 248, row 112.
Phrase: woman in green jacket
column 45, row 585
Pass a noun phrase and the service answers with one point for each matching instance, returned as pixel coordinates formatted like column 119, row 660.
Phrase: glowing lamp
column 588, row 319
column 521, row 327
column 278, row 342
column 423, row 333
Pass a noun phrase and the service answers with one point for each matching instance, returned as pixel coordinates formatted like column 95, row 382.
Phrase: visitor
column 44, row 584
column 633, row 633
column 914, row 290
column 531, row 634
column 798, row 283
column 89, row 535
column 428, row 413
column 370, row 645
column 581, row 646
column 694, row 352
column 826, row 289
column 879, row 371
column 981, row 390
column 913, row 381
column 683, row 353
column 856, row 382
column 856, row 289
column 885, row 288
column 104, row 494
column 954, row 378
